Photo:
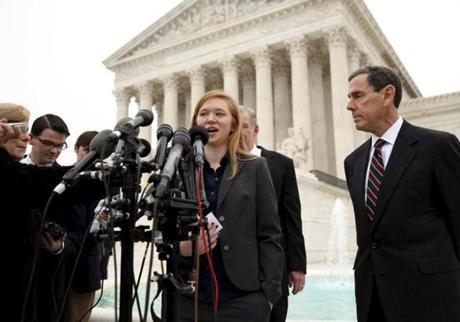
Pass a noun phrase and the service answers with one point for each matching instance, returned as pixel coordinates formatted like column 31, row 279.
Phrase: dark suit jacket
column 284, row 179
column 250, row 239
column 412, row 248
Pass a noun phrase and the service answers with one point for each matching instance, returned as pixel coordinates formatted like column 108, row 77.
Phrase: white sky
column 51, row 51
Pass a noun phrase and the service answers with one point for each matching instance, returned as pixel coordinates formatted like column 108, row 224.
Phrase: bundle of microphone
column 186, row 146
column 173, row 199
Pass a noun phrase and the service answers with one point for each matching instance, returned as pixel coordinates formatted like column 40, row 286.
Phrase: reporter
column 247, row 257
column 24, row 190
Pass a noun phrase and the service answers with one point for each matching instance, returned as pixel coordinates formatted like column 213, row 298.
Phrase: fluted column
column 171, row 108
column 197, row 82
column 146, row 102
column 264, row 97
column 122, row 97
column 281, row 101
column 343, row 125
column 249, row 86
column 319, row 117
column 354, row 57
column 229, row 67
column 301, row 107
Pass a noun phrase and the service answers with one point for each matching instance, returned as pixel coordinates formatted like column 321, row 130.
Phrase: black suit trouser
column 279, row 311
column 252, row 307
column 376, row 313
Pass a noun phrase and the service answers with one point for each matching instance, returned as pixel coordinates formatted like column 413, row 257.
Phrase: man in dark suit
column 404, row 184
column 284, row 179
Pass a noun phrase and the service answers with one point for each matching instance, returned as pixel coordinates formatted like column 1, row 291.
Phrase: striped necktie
column 374, row 180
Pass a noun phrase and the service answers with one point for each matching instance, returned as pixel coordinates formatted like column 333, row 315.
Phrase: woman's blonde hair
column 235, row 142
column 14, row 112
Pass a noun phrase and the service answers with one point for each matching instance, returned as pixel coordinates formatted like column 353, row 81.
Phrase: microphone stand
column 130, row 185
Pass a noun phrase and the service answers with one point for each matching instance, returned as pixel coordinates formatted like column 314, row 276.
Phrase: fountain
column 337, row 253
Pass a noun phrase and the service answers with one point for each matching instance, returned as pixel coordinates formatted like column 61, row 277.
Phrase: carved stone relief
column 296, row 146
column 204, row 14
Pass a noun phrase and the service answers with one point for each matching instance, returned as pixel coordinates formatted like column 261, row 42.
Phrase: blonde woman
column 246, row 254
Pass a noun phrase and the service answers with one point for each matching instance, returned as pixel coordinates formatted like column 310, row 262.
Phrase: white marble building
column 289, row 59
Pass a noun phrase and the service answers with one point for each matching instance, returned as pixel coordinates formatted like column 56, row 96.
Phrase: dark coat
column 412, row 248
column 23, row 189
column 250, row 240
column 284, row 180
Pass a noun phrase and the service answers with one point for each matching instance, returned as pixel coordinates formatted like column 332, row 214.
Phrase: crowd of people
column 403, row 183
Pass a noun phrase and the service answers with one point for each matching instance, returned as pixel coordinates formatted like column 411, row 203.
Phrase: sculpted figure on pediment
column 246, row 7
column 204, row 14
column 295, row 146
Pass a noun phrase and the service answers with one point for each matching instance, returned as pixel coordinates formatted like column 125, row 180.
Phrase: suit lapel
column 401, row 156
column 226, row 182
column 359, row 179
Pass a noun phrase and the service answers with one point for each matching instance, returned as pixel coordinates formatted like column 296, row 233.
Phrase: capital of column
column 316, row 57
column 366, row 59
column 336, row 36
column 170, row 83
column 247, row 72
column 280, row 66
column 229, row 65
column 261, row 56
column 122, row 95
column 297, row 47
column 145, row 88
column 196, row 74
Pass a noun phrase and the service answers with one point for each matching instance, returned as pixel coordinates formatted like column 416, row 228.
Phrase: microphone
column 164, row 134
column 99, row 148
column 128, row 125
column 144, row 148
column 144, row 117
column 200, row 137
column 181, row 144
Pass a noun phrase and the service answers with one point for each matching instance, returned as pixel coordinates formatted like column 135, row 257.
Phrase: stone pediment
column 188, row 18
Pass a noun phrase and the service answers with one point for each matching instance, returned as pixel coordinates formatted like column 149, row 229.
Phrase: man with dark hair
column 284, row 180
column 404, row 183
column 47, row 138
column 48, row 135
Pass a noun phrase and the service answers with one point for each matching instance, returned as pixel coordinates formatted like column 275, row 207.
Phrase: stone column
column 197, row 82
column 188, row 109
column 319, row 116
column 330, row 140
column 146, row 102
column 343, row 124
column 229, row 67
column 354, row 57
column 301, row 107
column 171, row 108
column 249, row 86
column 122, row 97
column 264, row 96
column 281, row 101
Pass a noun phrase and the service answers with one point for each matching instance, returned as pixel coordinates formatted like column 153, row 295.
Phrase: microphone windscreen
column 182, row 137
column 199, row 132
column 165, row 130
column 122, row 122
column 100, row 145
column 147, row 116
column 145, row 148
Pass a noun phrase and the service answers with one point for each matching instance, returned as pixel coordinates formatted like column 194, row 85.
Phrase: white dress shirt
column 389, row 137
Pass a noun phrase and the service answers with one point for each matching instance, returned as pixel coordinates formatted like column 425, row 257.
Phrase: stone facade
column 288, row 59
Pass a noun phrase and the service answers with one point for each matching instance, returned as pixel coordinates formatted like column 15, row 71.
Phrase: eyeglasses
column 49, row 144
column 21, row 126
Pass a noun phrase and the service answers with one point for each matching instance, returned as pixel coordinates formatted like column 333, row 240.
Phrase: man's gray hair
column 251, row 113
